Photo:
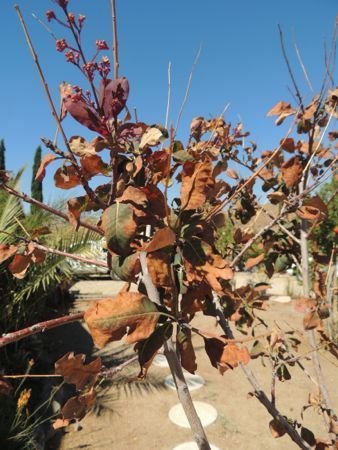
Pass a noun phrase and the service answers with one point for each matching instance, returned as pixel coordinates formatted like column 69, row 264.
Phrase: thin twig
column 168, row 96
column 303, row 68
column 84, row 182
column 115, row 40
column 55, row 251
column 26, row 198
column 298, row 94
column 187, row 90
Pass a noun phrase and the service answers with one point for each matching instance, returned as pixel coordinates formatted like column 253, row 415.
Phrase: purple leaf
column 113, row 96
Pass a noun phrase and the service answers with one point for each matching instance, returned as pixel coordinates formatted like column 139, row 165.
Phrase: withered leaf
column 311, row 320
column 292, row 171
column 81, row 147
column 41, row 173
column 282, row 110
column 19, row 265
column 119, row 226
column 129, row 313
column 313, row 209
column 251, row 262
column 232, row 174
column 159, row 268
column 77, row 407
column 186, row 350
column 148, row 348
column 60, row 423
column 288, row 144
column 113, row 95
column 202, row 264
column 276, row 428
column 153, row 136
column 276, row 197
column 126, row 268
column 6, row 251
column 66, row 177
column 93, row 165
column 76, row 206
column 196, row 181
column 161, row 238
column 225, row 356
column 75, row 371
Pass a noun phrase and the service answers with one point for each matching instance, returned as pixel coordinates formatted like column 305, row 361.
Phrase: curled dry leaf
column 148, row 348
column 77, row 407
column 313, row 209
column 276, row 197
column 129, row 313
column 186, row 350
column 225, row 356
column 80, row 147
column 153, row 136
column 288, row 144
column 93, row 165
column 203, row 265
column 252, row 262
column 19, row 265
column 282, row 110
column 292, row 171
column 66, row 177
column 76, row 206
column 75, row 371
column 41, row 173
column 276, row 428
column 232, row 174
column 126, row 268
column 6, row 251
column 159, row 268
column 161, row 238
column 197, row 180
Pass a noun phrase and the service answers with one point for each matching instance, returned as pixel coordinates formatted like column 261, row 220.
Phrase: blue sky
column 241, row 63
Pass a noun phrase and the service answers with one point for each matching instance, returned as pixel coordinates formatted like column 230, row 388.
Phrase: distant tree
column 2, row 155
column 36, row 186
column 325, row 235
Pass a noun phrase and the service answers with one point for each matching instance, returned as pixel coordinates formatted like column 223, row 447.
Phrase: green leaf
column 126, row 268
column 119, row 227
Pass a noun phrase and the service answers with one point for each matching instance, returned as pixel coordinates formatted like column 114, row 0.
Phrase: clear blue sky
column 241, row 63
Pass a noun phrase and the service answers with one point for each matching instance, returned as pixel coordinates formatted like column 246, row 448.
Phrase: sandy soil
column 132, row 415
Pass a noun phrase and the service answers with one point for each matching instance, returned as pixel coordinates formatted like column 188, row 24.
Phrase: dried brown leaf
column 46, row 160
column 128, row 313
column 292, row 171
column 75, row 371
column 251, row 262
column 197, row 180
column 6, row 251
column 225, row 356
column 161, row 238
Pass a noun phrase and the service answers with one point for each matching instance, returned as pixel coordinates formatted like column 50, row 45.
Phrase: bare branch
column 39, row 327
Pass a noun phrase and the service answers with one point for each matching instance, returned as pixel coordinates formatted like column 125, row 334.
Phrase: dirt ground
column 133, row 415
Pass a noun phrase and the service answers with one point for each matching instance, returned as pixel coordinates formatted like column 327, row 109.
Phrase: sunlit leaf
column 129, row 313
